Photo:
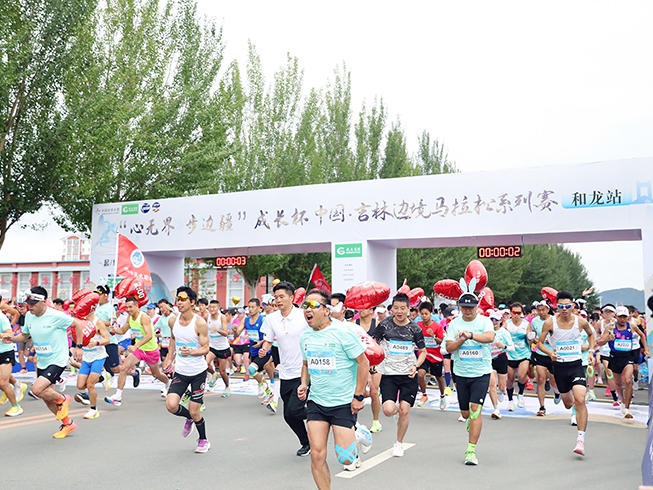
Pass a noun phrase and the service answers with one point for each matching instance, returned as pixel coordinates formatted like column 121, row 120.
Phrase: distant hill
column 625, row 296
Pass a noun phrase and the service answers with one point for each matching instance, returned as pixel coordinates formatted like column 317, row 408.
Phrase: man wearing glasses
column 335, row 367
column 564, row 349
column 287, row 324
column 542, row 362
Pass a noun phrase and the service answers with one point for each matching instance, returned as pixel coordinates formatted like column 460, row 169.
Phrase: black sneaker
column 305, row 450
column 82, row 398
column 547, row 385
column 137, row 377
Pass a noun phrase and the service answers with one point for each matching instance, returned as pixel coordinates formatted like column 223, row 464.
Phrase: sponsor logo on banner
column 155, row 207
column 108, row 210
column 137, row 258
column 145, row 208
column 349, row 250
column 129, row 209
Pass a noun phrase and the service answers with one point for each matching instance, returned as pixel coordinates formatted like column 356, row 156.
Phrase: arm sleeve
column 418, row 337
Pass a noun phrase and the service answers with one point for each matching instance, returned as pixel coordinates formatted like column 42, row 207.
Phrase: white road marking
column 372, row 462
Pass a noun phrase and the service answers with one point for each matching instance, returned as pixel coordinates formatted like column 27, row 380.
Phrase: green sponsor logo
column 129, row 209
column 349, row 250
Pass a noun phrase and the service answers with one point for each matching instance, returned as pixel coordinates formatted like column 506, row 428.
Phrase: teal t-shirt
column 106, row 313
column 473, row 359
column 522, row 350
column 500, row 335
column 537, row 324
column 330, row 354
column 49, row 336
column 4, row 326
column 163, row 325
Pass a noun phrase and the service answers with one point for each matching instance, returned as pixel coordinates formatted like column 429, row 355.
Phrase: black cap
column 102, row 289
column 468, row 299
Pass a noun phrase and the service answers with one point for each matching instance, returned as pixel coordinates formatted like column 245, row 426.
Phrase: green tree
column 396, row 161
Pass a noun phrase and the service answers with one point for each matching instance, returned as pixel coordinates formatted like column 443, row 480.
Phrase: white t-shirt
column 287, row 331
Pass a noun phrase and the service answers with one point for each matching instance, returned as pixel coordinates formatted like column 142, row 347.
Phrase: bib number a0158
column 321, row 362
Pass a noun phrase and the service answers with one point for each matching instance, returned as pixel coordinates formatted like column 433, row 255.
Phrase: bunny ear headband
column 468, row 288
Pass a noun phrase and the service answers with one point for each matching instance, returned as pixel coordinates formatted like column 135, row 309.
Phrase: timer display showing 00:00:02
column 499, row 252
column 231, row 261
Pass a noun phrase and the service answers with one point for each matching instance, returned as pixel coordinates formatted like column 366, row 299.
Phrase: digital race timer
column 500, row 252
column 231, row 261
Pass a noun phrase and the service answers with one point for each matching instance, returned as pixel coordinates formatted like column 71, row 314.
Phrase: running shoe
column 19, row 391
column 608, row 392
column 352, row 467
column 580, row 448
column 185, row 400
column 363, row 437
column 623, row 409
column 628, row 415
column 616, row 404
column 188, row 427
column 136, row 377
column 31, row 393
column 213, row 379
column 573, row 420
column 470, row 458
column 447, row 391
column 226, row 392
column 65, row 430
column 592, row 396
column 116, row 402
column 398, row 449
column 502, row 396
column 556, row 398
column 422, row 401
column 547, row 385
column 462, row 419
column 376, row 427
column 496, row 415
column 92, row 414
column 61, row 385
column 262, row 388
column 16, row 410
column 106, row 382
column 272, row 406
column 541, row 412
column 521, row 403
column 432, row 382
column 529, row 385
column 305, row 450
column 164, row 390
column 511, row 406
column 82, row 398
column 62, row 408
column 203, row 446
column 443, row 402
column 3, row 398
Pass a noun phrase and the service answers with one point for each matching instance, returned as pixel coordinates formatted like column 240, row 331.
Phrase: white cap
column 622, row 311
column 609, row 308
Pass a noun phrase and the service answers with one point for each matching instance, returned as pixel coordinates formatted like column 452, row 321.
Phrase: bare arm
column 547, row 328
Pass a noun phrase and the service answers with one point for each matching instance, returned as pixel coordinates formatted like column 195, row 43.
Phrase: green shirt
column 4, row 326
column 330, row 354
column 138, row 332
column 49, row 336
column 472, row 359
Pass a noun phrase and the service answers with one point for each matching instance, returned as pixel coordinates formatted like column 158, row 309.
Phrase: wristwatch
column 360, row 398
column 79, row 346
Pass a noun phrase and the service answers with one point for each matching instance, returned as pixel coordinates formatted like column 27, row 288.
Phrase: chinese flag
column 130, row 261
column 318, row 279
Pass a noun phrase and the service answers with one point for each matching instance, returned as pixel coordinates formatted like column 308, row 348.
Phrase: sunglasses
column 568, row 306
column 312, row 305
column 182, row 297
column 516, row 312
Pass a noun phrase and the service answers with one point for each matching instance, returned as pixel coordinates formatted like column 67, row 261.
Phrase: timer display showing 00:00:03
column 499, row 252
column 231, row 261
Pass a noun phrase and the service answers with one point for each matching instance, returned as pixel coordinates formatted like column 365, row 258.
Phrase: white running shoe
column 521, row 403
column 398, row 449
column 443, row 402
column 164, row 390
column 622, row 409
column 61, row 385
column 352, row 467
column 511, row 406
column 261, row 389
column 462, row 419
column 502, row 396
column 573, row 420
column 496, row 415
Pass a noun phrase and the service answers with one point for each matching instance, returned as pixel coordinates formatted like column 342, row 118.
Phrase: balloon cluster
column 85, row 303
column 476, row 277
column 132, row 287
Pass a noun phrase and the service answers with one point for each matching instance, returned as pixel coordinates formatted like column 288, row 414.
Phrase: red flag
column 131, row 262
column 318, row 279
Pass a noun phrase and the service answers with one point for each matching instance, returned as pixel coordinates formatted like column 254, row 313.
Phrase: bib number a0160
column 321, row 362
column 471, row 353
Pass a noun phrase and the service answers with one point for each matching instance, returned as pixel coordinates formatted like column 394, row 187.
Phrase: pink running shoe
column 580, row 448
column 203, row 446
column 188, row 427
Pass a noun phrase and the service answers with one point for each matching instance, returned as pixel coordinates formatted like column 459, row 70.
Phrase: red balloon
column 132, row 288
column 476, row 270
column 373, row 351
column 404, row 289
column 486, row 299
column 88, row 332
column 415, row 296
column 299, row 296
column 366, row 295
column 551, row 295
column 448, row 288
column 80, row 294
column 86, row 305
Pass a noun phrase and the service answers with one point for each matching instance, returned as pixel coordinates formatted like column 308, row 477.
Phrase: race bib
column 137, row 334
column 519, row 344
column 165, row 342
column 188, row 345
column 400, row 347
column 623, row 345
column 44, row 349
column 431, row 343
column 495, row 350
column 253, row 335
column 321, row 362
column 568, row 348
column 230, row 337
column 472, row 353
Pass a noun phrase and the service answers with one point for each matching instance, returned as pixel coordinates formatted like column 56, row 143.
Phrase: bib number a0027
column 321, row 362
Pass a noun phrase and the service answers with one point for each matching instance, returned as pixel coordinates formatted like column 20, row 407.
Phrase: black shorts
column 569, row 374
column 542, row 360
column 260, row 362
column 8, row 358
column 113, row 358
column 515, row 364
column 619, row 361
column 241, row 349
column 340, row 415
column 220, row 354
column 398, row 384
column 605, row 358
column 163, row 351
column 180, row 383
column 471, row 390
column 636, row 356
column 447, row 356
column 500, row 364
column 275, row 355
column 52, row 373
column 434, row 368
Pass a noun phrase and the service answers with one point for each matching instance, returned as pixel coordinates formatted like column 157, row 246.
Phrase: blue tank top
column 623, row 340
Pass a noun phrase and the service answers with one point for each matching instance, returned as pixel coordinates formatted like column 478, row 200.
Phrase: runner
column 468, row 339
column 543, row 366
column 11, row 389
column 47, row 329
column 165, row 308
column 287, row 324
column 433, row 337
column 608, row 318
column 335, row 367
column 502, row 344
column 145, row 349
column 253, row 325
column 368, row 323
column 218, row 346
column 565, row 352
column 399, row 337
column 189, row 344
column 518, row 361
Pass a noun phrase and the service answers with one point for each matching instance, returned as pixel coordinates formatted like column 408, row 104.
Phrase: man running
column 468, row 338
column 335, row 367
column 368, row 323
column 543, row 366
column 218, row 346
column 399, row 337
column 433, row 337
column 11, row 389
column 502, row 343
column 565, row 353
column 189, row 344
column 287, row 324
column 47, row 329
column 519, row 359
column 253, row 325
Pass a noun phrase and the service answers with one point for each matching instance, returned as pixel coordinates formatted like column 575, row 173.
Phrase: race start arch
column 362, row 223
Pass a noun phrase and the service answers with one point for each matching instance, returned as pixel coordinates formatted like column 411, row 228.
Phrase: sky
column 503, row 85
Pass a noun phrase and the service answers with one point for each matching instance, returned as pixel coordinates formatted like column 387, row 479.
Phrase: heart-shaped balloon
column 448, row 288
column 366, row 295
column 486, row 299
column 373, row 351
column 86, row 305
column 551, row 295
column 415, row 296
column 299, row 296
column 476, row 270
column 79, row 294
column 404, row 289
